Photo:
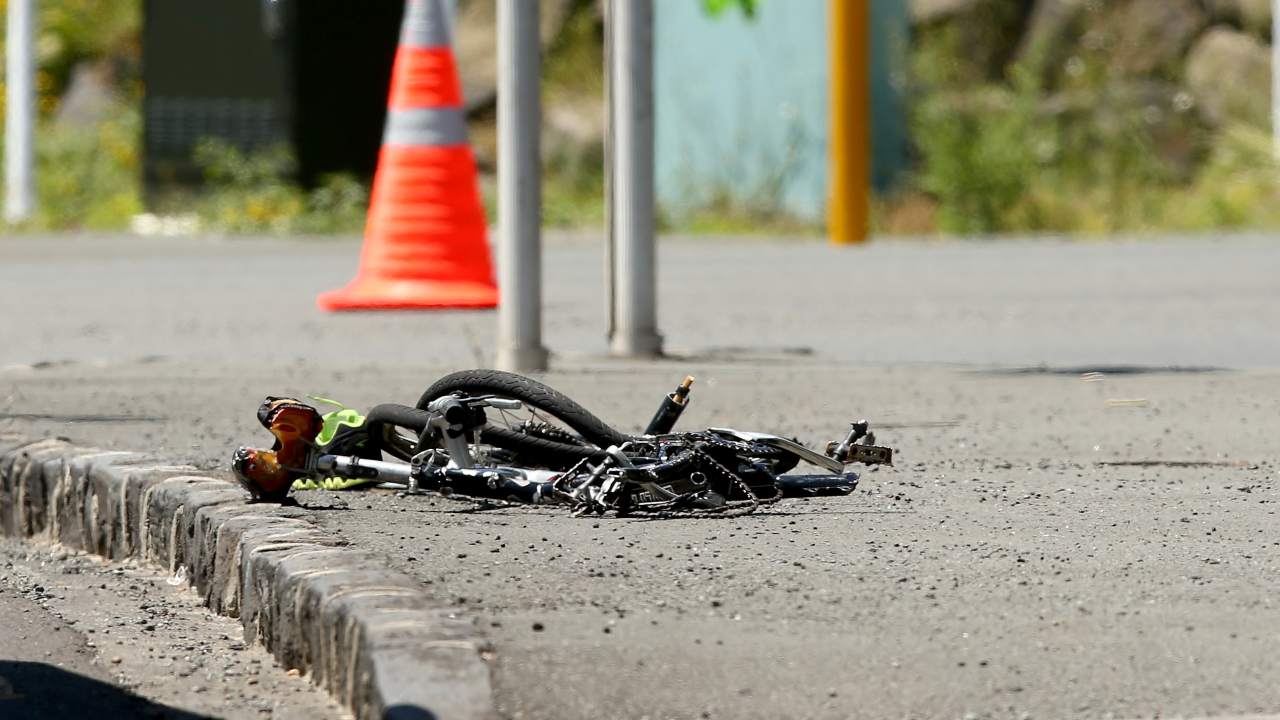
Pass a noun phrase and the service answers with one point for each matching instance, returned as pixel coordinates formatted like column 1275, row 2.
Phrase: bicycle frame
column 586, row 486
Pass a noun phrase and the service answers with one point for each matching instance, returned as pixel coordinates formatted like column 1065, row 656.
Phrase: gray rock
column 1051, row 29
column 475, row 45
column 573, row 127
column 1153, row 35
column 929, row 11
column 1252, row 15
column 969, row 44
column 1229, row 74
column 88, row 97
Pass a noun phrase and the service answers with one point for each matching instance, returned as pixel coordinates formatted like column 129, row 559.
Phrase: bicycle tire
column 531, row 392
column 383, row 419
column 554, row 455
column 381, row 422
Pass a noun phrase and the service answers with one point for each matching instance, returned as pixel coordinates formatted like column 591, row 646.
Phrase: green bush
column 1238, row 186
column 1093, row 156
column 88, row 178
column 254, row 192
column 246, row 192
column 977, row 162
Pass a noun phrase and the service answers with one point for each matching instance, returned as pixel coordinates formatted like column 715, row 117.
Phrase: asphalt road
column 1188, row 302
column 1047, row 546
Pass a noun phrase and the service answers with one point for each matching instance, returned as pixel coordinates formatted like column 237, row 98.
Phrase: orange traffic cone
column 424, row 240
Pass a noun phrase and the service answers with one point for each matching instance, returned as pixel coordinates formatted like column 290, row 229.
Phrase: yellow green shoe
column 343, row 417
column 332, row 483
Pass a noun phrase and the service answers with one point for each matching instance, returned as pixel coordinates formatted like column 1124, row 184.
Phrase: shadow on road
column 52, row 417
column 31, row 691
column 1101, row 370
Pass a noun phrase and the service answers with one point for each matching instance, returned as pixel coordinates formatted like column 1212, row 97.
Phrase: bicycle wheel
column 551, row 430
column 394, row 430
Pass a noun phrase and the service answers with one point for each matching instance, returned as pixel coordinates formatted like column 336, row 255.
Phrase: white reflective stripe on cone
column 425, row 126
column 425, row 25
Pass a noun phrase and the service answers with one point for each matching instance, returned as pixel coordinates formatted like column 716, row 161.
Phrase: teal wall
column 890, row 35
column 742, row 104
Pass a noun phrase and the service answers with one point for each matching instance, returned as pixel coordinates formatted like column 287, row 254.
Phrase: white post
column 519, row 188
column 609, row 282
column 20, row 113
column 1275, row 77
column 631, row 191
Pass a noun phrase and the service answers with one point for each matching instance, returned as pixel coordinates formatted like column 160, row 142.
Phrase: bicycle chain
column 740, row 447
column 731, row 508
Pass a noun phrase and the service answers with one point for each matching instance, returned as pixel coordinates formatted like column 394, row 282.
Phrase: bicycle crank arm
column 841, row 484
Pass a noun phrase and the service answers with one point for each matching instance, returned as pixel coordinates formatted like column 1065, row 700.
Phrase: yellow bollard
column 850, row 132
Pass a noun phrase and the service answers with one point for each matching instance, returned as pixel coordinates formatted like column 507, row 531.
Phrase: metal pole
column 20, row 112
column 635, row 321
column 1275, row 77
column 609, row 283
column 519, row 188
column 850, row 150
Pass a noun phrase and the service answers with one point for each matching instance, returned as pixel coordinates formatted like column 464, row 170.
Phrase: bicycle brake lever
column 490, row 401
column 503, row 403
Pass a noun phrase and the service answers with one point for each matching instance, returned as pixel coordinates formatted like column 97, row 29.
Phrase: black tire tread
column 543, row 397
column 550, row 452
column 380, row 421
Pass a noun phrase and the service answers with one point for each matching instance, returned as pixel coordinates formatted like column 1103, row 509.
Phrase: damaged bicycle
column 490, row 435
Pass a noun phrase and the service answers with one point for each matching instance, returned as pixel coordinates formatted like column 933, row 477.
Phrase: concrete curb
column 371, row 637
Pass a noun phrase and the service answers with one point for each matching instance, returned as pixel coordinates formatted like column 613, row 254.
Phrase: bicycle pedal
column 870, row 455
